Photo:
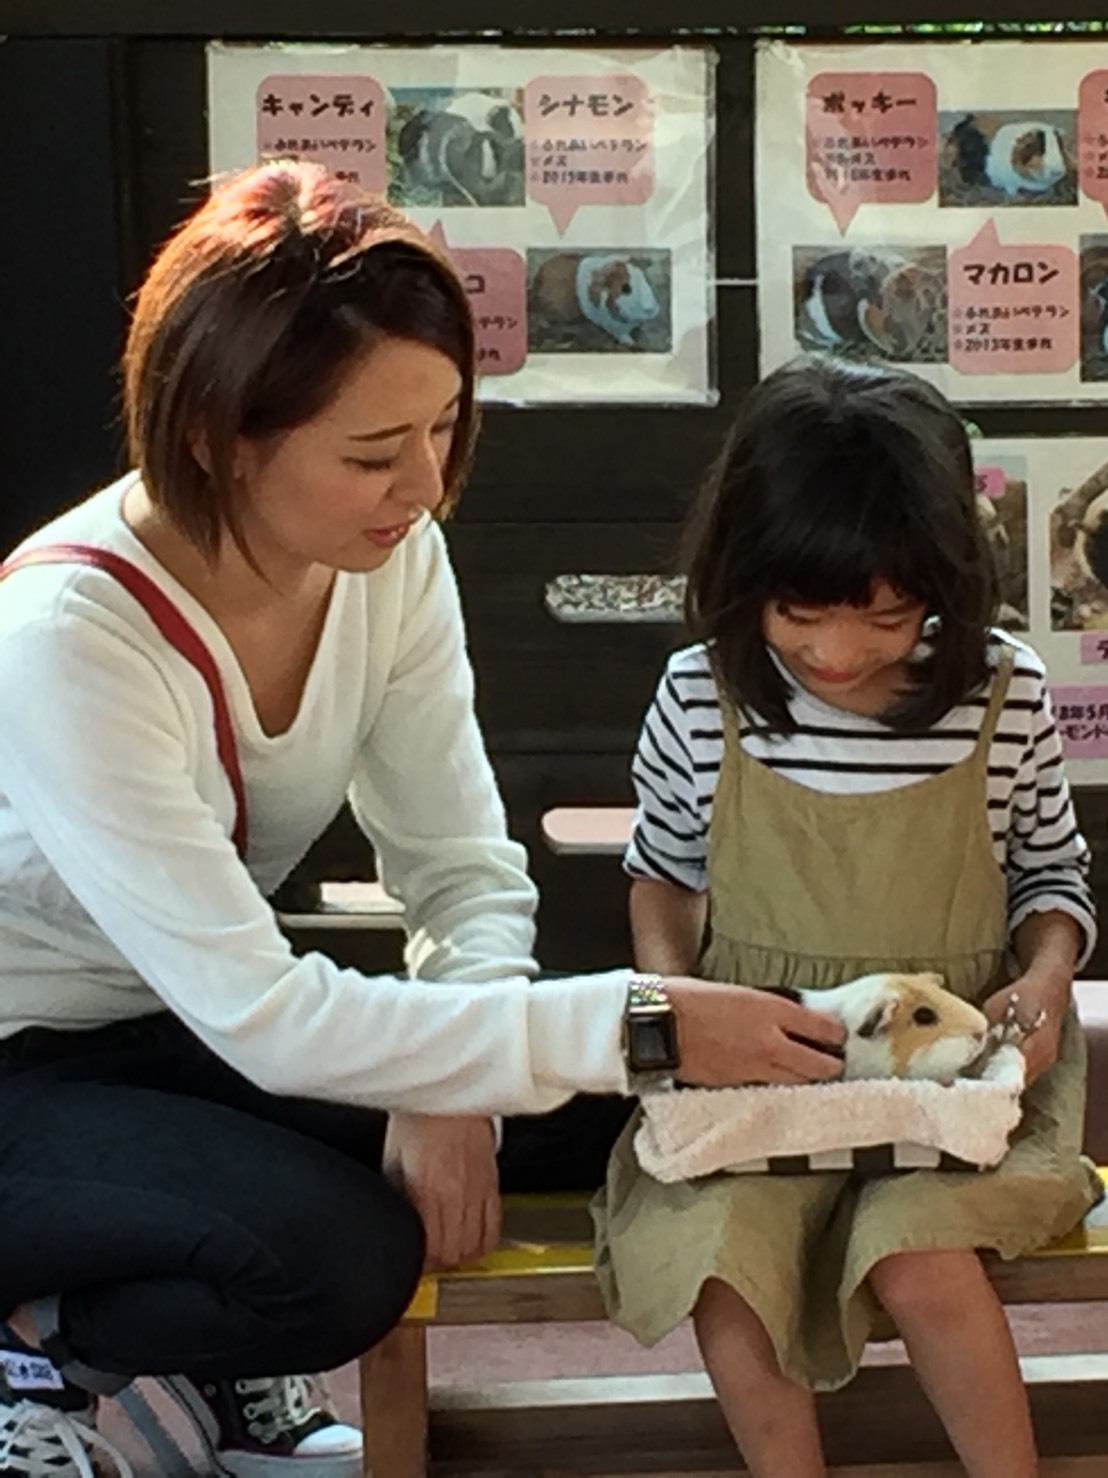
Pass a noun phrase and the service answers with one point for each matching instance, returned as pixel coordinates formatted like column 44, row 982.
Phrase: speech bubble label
column 1081, row 714
column 495, row 279
column 990, row 481
column 1092, row 136
column 1094, row 647
column 335, row 121
column 871, row 136
column 590, row 141
column 1012, row 308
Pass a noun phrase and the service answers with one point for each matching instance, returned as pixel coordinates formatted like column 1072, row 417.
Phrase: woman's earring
column 930, row 628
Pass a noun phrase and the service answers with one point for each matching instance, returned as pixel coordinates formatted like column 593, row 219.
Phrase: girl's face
column 343, row 489
column 852, row 657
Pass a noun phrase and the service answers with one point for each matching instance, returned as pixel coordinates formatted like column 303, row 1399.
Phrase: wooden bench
column 542, row 1272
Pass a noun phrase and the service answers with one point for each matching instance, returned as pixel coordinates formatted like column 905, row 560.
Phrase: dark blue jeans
column 193, row 1224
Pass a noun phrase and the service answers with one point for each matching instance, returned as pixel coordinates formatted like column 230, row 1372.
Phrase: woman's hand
column 1039, row 1005
column 729, row 1034
column 446, row 1166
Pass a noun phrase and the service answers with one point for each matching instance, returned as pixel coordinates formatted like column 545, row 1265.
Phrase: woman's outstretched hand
column 729, row 1034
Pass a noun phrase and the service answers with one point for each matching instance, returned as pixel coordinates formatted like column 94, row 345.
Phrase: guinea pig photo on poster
column 1008, row 158
column 872, row 302
column 1079, row 556
column 454, row 148
column 1094, row 307
column 600, row 300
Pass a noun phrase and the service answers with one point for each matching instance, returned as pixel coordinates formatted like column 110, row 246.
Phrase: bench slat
column 532, row 1278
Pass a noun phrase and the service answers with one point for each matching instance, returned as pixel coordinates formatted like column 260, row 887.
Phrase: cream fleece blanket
column 698, row 1131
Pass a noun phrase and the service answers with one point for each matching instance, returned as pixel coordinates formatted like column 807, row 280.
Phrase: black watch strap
column 650, row 1033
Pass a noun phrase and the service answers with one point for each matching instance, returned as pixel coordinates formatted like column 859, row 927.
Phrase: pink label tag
column 335, row 121
column 590, row 141
column 1081, row 714
column 990, row 481
column 1094, row 647
column 1012, row 308
column 871, row 136
column 1092, row 136
column 495, row 278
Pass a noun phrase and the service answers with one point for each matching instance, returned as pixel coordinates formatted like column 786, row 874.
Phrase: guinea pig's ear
column 879, row 1019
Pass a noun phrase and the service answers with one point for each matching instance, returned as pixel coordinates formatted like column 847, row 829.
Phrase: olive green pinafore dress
column 811, row 889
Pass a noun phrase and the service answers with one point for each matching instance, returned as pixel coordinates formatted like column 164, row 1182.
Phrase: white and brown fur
column 1026, row 157
column 608, row 290
column 901, row 1026
column 858, row 297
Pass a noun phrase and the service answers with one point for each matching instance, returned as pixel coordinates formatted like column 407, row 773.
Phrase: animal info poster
column 943, row 206
column 570, row 188
column 1044, row 505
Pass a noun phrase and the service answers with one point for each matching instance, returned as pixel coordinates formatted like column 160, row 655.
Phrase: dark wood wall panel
column 550, row 685
column 59, row 270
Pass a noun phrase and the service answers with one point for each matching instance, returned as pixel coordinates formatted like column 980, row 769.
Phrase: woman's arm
column 107, row 759
column 424, row 793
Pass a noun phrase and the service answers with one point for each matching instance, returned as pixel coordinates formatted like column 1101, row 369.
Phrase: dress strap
column 998, row 694
column 178, row 633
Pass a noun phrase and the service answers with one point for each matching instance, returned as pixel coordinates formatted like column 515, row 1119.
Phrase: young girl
column 852, row 770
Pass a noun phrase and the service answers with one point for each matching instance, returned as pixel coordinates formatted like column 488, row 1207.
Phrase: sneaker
column 267, row 1427
column 39, row 1441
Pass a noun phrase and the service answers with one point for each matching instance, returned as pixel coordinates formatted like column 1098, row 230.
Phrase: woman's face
column 846, row 654
column 343, row 489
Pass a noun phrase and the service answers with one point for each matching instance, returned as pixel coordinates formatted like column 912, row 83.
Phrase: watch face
column 653, row 1042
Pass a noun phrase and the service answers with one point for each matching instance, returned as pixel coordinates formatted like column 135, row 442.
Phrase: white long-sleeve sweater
column 121, row 892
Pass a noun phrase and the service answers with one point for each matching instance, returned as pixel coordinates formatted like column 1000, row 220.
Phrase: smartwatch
column 650, row 1046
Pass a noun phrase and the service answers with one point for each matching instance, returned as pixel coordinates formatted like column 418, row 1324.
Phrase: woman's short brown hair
column 250, row 317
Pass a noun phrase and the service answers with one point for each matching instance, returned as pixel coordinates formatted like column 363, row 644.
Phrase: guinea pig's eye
column 925, row 1016
column 625, row 289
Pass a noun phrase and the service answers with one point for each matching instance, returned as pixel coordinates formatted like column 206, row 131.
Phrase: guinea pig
column 471, row 148
column 901, row 1026
column 1016, row 158
column 608, row 290
column 857, row 297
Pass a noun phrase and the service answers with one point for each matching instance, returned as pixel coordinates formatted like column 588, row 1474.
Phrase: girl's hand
column 1040, row 1006
column 729, row 1035
column 446, row 1166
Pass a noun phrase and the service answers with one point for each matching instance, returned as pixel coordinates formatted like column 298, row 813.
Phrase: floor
column 485, row 1354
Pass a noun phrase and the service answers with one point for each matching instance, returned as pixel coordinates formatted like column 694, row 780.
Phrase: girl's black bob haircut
column 835, row 476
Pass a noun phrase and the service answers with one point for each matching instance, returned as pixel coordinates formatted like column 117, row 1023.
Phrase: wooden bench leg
column 394, row 1404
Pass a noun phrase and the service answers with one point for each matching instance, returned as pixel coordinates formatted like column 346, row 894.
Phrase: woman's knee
column 363, row 1281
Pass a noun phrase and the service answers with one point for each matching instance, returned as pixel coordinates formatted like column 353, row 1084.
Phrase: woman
column 209, row 655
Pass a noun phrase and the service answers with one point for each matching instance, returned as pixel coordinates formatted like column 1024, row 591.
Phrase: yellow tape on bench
column 514, row 1259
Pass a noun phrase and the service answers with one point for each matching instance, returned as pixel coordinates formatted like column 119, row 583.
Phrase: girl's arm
column 667, row 926
column 1047, row 857
column 1051, row 910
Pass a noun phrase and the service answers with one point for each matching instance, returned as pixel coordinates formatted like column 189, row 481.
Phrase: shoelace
column 282, row 1404
column 33, row 1438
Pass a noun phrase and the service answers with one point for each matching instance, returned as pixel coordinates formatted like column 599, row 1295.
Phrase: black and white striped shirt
column 1035, row 835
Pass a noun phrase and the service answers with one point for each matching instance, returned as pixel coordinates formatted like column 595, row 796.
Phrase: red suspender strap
column 176, row 630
